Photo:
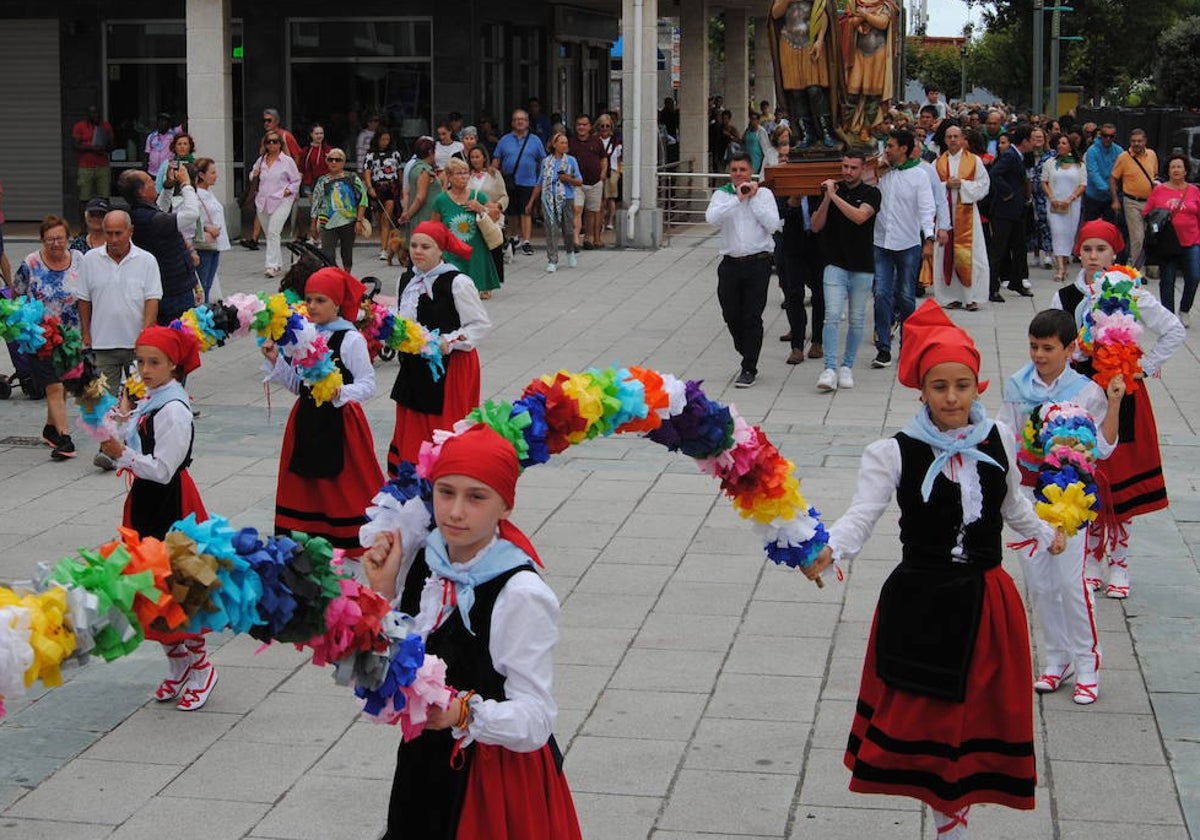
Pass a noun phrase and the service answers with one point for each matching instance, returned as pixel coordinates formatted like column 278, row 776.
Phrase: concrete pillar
column 694, row 85
column 737, row 66
column 640, row 222
column 764, row 71
column 210, row 94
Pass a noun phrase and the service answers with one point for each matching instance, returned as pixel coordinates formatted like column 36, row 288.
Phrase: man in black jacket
column 1007, row 256
column 158, row 233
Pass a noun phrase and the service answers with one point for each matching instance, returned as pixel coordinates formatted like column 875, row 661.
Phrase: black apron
column 319, row 443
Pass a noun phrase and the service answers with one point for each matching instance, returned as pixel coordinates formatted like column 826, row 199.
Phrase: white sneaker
column 551, row 268
column 828, row 380
column 1047, row 262
column 572, row 260
column 383, row 255
column 1186, row 318
column 845, row 377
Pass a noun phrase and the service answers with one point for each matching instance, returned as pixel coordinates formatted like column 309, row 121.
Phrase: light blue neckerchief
column 492, row 562
column 1020, row 388
column 155, row 399
column 421, row 283
column 948, row 444
column 335, row 325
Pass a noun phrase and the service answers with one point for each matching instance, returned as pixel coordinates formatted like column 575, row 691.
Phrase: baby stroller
column 310, row 259
column 22, row 375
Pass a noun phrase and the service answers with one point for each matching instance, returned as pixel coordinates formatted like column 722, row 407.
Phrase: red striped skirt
column 949, row 754
column 463, row 383
column 1132, row 477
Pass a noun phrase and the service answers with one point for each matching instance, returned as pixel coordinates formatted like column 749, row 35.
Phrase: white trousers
column 272, row 225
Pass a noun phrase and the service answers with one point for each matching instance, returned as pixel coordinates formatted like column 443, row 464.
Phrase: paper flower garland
column 1110, row 331
column 23, row 320
column 206, row 576
column 1059, row 441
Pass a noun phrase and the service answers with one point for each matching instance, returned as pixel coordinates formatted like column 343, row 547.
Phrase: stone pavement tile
column 24, row 772
column 315, row 680
column 1121, row 692
column 668, row 670
column 298, row 719
column 367, row 750
column 753, row 697
column 242, row 689
column 1117, row 651
column 246, row 772
column 606, row 489
column 782, row 584
column 242, row 650
column 1185, row 765
column 787, row 619
column 605, row 816
column 220, row 819
column 569, row 561
column 581, row 510
column 1084, row 791
column 591, row 609
column 1170, row 670
column 16, row 829
column 729, row 803
column 1103, row 736
column 573, row 534
column 21, row 742
column 748, row 746
column 692, row 597
column 679, row 631
column 833, row 723
column 10, row 793
column 97, row 697
column 329, row 808
column 661, row 501
column 729, row 542
column 161, row 734
column 631, row 766
column 995, row 822
column 1089, row 830
column 826, row 783
column 648, row 714
column 104, row 792
column 845, row 673
column 619, row 579
column 568, row 724
column 813, row 821
column 716, row 568
column 664, row 551
column 1178, row 716
column 769, row 655
column 578, row 686
column 656, row 524
column 592, row 645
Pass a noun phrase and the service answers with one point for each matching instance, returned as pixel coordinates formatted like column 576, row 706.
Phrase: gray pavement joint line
column 1184, row 414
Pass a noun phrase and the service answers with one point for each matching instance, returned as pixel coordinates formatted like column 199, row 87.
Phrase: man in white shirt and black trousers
column 748, row 218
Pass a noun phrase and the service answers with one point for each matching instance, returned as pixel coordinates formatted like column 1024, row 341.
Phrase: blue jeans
column 842, row 286
column 1189, row 261
column 207, row 270
column 896, row 275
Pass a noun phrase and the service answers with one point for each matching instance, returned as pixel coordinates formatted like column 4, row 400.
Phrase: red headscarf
column 481, row 453
column 1100, row 229
column 929, row 339
column 339, row 286
column 446, row 241
column 180, row 346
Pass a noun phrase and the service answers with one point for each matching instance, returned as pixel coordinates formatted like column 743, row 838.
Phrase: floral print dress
column 461, row 223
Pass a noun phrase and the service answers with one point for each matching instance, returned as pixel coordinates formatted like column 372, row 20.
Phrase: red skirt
column 1132, row 477
column 414, row 427
column 517, row 796
column 334, row 508
column 949, row 754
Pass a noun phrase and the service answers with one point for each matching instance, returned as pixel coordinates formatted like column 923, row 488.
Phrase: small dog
column 397, row 247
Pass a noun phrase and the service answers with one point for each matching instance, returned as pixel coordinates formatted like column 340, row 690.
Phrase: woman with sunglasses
column 339, row 209
column 278, row 183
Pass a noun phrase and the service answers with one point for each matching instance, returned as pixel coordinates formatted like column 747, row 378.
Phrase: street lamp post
column 1039, row 46
column 1056, row 36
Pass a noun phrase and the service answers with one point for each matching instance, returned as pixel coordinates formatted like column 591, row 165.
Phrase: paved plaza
column 704, row 692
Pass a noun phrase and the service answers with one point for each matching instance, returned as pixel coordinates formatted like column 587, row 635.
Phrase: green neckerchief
column 1064, row 160
column 909, row 164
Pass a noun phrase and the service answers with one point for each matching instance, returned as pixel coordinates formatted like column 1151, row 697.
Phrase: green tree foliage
column 1177, row 64
column 935, row 65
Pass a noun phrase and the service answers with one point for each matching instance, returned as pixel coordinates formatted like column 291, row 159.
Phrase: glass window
column 155, row 39
column 361, row 38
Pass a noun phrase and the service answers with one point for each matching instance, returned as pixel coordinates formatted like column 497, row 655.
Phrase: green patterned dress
column 461, row 223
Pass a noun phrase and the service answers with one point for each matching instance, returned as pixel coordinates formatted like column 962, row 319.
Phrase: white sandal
column 179, row 661
column 1051, row 679
column 201, row 681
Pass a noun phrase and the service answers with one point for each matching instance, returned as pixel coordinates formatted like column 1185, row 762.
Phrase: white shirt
column 442, row 152
column 355, row 357
column 212, row 213
column 906, row 213
column 1091, row 398
column 937, row 189
column 172, row 439
column 746, row 225
column 471, row 314
column 118, row 292
column 879, row 476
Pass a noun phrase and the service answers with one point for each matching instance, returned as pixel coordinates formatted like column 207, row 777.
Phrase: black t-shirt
column 846, row 244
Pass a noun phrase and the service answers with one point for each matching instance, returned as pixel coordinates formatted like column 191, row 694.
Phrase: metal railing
column 683, row 197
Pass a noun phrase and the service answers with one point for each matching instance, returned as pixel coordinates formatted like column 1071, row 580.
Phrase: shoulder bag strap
column 1144, row 172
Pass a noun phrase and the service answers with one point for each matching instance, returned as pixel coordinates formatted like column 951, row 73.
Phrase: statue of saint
column 869, row 50
column 806, row 66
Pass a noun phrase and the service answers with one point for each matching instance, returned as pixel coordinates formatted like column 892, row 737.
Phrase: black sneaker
column 64, row 449
column 745, row 380
column 882, row 359
column 50, row 435
column 526, row 248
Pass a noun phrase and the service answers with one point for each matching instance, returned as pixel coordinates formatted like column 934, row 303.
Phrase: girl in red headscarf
column 157, row 450
column 1131, row 479
column 439, row 297
column 944, row 713
column 328, row 471
column 487, row 766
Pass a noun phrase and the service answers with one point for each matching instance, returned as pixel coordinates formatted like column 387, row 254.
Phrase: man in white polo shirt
column 118, row 295
column 748, row 217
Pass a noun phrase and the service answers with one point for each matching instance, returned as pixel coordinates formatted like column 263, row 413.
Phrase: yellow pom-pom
column 325, row 390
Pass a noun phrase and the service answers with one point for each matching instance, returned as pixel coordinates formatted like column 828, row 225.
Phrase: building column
column 693, row 85
column 764, row 70
column 210, row 95
column 737, row 65
column 640, row 221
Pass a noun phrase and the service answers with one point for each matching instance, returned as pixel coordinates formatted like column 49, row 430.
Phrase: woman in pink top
column 1183, row 200
column 278, row 182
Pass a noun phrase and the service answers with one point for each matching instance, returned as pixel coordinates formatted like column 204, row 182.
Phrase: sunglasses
column 1108, row 137
column 274, row 140
column 335, row 160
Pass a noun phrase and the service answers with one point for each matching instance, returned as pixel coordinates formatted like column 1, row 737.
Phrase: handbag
column 1161, row 239
column 493, row 236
